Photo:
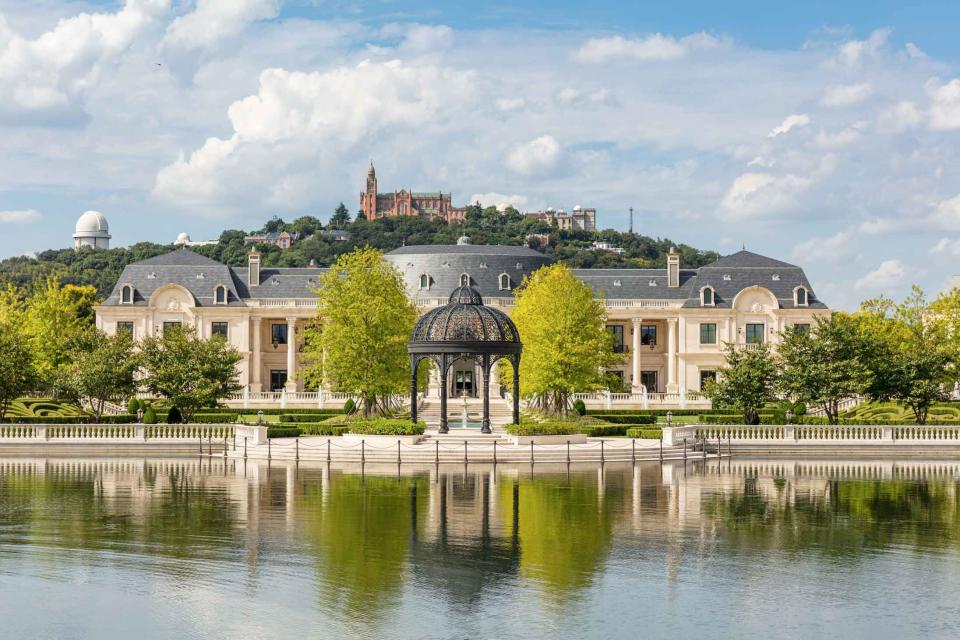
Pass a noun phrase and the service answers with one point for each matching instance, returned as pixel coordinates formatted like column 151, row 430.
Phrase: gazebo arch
column 465, row 328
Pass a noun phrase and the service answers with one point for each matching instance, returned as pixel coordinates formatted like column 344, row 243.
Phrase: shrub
column 133, row 405
column 149, row 416
column 547, row 428
column 283, row 432
column 642, row 433
column 174, row 416
column 306, row 417
column 349, row 406
column 606, row 430
column 273, row 411
column 386, row 427
column 213, row 418
column 314, row 429
column 618, row 418
column 580, row 407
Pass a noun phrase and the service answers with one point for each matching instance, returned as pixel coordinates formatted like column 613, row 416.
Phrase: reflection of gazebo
column 465, row 329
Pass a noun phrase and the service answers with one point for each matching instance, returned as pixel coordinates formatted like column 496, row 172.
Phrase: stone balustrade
column 112, row 433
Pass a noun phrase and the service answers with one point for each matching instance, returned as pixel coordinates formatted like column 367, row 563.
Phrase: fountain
column 463, row 418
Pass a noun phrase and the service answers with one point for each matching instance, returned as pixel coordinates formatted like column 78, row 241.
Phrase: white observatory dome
column 92, row 230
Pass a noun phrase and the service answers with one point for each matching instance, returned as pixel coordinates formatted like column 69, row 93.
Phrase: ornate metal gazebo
column 465, row 328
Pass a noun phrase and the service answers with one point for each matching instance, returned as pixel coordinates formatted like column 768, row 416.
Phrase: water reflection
column 381, row 552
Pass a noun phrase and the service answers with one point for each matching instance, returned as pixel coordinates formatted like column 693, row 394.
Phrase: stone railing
column 114, row 432
column 813, row 434
column 642, row 400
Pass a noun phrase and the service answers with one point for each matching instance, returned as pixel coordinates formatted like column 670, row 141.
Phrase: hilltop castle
column 424, row 204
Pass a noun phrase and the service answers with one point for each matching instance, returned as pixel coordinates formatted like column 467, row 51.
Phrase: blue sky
column 822, row 133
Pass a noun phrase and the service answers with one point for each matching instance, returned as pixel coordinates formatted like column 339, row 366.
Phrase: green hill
column 484, row 226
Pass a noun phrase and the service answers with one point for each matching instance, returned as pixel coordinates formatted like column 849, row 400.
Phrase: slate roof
column 196, row 273
column 637, row 284
column 731, row 274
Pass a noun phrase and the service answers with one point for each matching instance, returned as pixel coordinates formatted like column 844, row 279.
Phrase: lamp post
column 260, row 417
column 788, row 414
column 139, row 416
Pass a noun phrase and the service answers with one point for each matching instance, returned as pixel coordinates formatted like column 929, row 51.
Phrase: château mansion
column 671, row 324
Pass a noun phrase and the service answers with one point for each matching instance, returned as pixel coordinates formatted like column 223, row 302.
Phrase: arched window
column 706, row 297
column 504, row 282
column 220, row 295
column 424, row 281
column 800, row 296
column 464, row 280
column 126, row 294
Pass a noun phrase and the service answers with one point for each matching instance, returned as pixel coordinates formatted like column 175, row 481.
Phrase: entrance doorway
column 278, row 379
column 649, row 380
column 463, row 383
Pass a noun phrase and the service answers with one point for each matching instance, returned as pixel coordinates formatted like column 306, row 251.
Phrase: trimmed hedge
column 120, row 419
column 618, row 418
column 821, row 420
column 641, row 433
column 213, row 418
column 606, row 430
column 307, row 417
column 547, row 428
column 386, row 427
column 656, row 412
column 272, row 411
column 314, row 429
column 283, row 432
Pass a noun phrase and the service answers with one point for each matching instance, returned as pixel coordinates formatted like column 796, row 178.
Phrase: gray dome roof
column 465, row 319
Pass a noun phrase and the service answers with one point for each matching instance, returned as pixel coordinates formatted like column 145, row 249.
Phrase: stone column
column 255, row 383
column 443, row 394
column 485, row 425
column 291, row 354
column 636, row 354
column 516, row 390
column 671, row 355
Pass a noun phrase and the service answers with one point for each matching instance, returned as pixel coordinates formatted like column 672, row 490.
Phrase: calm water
column 740, row 548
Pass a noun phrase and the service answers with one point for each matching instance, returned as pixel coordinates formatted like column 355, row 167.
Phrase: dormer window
column 126, row 294
column 726, row 277
column 220, row 295
column 425, row 281
column 707, row 297
column 464, row 280
column 801, row 296
column 505, row 284
column 617, row 283
column 776, row 277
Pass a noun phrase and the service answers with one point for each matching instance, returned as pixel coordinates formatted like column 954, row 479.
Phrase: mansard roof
column 196, row 273
column 748, row 260
column 637, row 284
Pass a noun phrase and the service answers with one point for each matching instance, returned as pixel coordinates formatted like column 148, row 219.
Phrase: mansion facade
column 670, row 324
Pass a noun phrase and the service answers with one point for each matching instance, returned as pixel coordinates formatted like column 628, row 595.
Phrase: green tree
column 190, row 372
column 340, row 218
column 358, row 341
column 101, row 369
column 17, row 372
column 824, row 366
column 566, row 343
column 747, row 382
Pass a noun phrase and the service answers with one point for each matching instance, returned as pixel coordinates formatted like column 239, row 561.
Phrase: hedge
column 272, row 411
column 606, row 430
column 283, row 432
column 307, row 417
column 123, row 418
column 656, row 412
column 314, row 429
column 648, row 434
column 619, row 418
column 213, row 418
column 547, row 428
column 821, row 420
column 386, row 427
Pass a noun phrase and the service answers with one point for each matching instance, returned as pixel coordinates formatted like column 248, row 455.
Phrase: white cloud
column 754, row 195
column 846, row 94
column 842, row 138
column 653, row 47
column 539, row 156
column 22, row 216
column 946, row 246
column 832, row 248
column 794, row 121
column 852, row 53
column 945, row 105
column 49, row 73
column 425, row 38
column 888, row 275
column 213, row 21
column 900, row 117
column 946, row 215
column 501, row 201
column 510, row 104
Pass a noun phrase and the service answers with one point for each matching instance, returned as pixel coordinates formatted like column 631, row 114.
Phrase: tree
column 102, row 368
column 747, row 382
column 358, row 341
column 190, row 372
column 566, row 344
column 824, row 366
column 17, row 373
column 340, row 218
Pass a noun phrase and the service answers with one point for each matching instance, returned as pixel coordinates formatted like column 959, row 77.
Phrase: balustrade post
column 244, row 447
column 225, row 447
column 296, row 450
column 684, row 448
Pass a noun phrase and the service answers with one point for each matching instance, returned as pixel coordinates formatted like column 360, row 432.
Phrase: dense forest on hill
column 483, row 225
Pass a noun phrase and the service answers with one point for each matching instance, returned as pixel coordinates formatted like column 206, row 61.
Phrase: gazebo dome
column 465, row 319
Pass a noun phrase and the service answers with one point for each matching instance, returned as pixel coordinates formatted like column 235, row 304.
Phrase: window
column 464, row 280
column 754, row 333
column 617, row 331
column 504, row 282
column 706, row 296
column 125, row 327
column 648, row 334
column 218, row 329
column 424, row 281
column 126, row 294
column 802, row 327
column 649, row 380
column 707, row 375
column 278, row 334
column 220, row 295
column 708, row 333
column 800, row 296
column 171, row 325
column 618, row 283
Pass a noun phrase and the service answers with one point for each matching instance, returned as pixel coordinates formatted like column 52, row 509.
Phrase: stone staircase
column 501, row 414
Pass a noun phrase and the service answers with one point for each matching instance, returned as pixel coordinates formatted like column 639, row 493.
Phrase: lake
column 208, row 548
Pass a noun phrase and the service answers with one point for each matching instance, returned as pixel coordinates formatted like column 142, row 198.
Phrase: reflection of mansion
column 671, row 324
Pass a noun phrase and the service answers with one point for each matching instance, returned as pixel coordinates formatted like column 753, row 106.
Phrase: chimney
column 673, row 268
column 253, row 268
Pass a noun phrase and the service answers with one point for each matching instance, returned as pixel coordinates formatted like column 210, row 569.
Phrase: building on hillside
column 338, row 235
column 582, row 219
column 183, row 240
column 282, row 239
column 603, row 245
column 671, row 324
column 91, row 231
column 434, row 205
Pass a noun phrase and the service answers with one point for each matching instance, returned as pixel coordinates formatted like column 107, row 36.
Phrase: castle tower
column 368, row 199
